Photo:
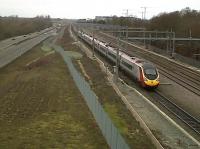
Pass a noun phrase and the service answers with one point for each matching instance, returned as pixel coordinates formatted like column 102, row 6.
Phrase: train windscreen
column 150, row 72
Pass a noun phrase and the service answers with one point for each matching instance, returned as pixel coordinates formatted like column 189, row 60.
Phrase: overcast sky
column 90, row 8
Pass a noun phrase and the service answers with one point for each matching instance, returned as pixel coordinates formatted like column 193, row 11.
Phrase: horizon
column 15, row 15
column 89, row 9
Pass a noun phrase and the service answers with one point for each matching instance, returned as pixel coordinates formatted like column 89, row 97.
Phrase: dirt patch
column 73, row 54
column 39, row 62
column 122, row 118
column 41, row 107
column 46, row 48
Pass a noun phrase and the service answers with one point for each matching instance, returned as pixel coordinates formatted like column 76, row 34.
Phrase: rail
column 188, row 119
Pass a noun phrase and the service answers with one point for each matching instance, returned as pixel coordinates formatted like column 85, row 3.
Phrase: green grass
column 113, row 105
column 50, row 130
column 42, row 108
column 120, row 123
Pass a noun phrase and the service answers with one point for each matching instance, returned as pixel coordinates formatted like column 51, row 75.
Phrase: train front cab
column 151, row 83
column 149, row 76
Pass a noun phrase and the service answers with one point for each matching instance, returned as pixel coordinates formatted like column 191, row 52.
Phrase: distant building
column 82, row 21
column 104, row 18
column 107, row 18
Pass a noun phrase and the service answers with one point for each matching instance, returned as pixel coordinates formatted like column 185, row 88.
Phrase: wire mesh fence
column 109, row 131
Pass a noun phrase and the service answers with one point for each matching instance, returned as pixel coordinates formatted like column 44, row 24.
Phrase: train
column 144, row 72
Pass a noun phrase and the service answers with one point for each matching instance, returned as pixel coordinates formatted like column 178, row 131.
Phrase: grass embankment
column 122, row 118
column 40, row 106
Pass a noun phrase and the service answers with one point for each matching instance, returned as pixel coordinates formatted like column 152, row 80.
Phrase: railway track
column 185, row 77
column 180, row 80
column 181, row 114
column 188, row 119
column 158, row 97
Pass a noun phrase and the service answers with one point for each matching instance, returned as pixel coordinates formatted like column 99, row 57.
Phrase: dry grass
column 111, row 102
column 40, row 106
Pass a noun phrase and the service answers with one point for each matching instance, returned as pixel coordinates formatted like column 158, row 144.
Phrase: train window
column 139, row 61
column 112, row 55
column 150, row 73
column 132, row 58
column 103, row 49
column 127, row 65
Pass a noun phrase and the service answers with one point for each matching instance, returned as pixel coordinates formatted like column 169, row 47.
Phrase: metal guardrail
column 109, row 131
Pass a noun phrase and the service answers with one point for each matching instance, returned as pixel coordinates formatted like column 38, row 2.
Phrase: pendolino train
column 143, row 71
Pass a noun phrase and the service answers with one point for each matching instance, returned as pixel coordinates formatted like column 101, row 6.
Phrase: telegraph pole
column 117, row 60
column 144, row 35
column 127, row 37
column 144, row 18
column 190, row 38
column 93, row 40
column 142, row 15
column 144, row 12
column 167, row 43
column 126, row 15
column 116, row 68
column 93, row 43
column 173, row 49
column 126, row 12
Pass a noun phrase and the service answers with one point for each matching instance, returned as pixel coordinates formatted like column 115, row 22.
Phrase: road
column 14, row 40
column 11, row 49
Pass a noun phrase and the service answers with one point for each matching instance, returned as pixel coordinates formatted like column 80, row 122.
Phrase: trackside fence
column 109, row 131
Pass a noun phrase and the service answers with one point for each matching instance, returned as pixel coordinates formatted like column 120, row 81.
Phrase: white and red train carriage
column 143, row 71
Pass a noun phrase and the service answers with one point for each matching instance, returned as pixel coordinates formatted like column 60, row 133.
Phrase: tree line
column 185, row 23
column 14, row 26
